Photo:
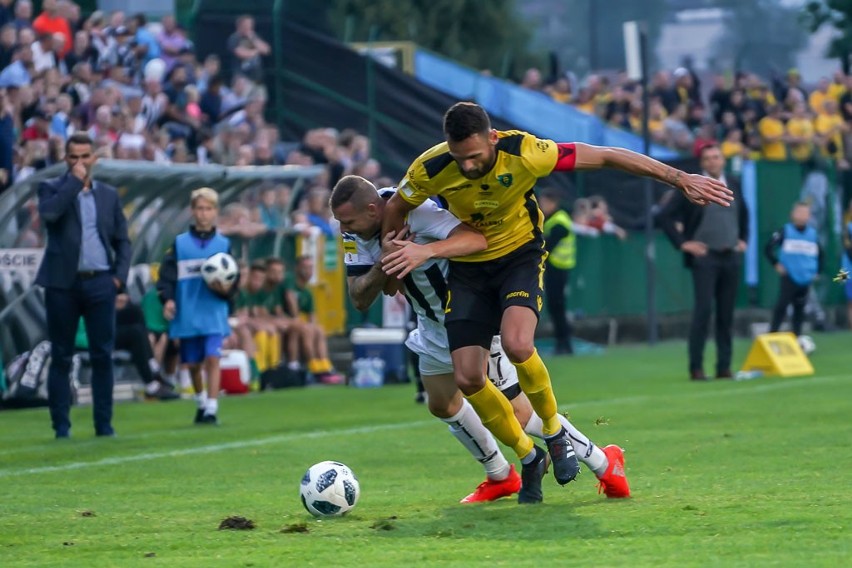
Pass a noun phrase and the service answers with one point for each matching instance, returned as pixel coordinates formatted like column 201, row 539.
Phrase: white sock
column 185, row 379
column 152, row 387
column 171, row 378
column 294, row 365
column 201, row 399
column 467, row 428
column 153, row 365
column 212, row 406
column 586, row 451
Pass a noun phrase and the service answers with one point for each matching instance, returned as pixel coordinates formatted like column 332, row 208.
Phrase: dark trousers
column 790, row 293
column 131, row 335
column 715, row 278
column 555, row 283
column 94, row 299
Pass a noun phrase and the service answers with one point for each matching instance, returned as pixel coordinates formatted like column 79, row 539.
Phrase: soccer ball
column 329, row 489
column 806, row 342
column 221, row 267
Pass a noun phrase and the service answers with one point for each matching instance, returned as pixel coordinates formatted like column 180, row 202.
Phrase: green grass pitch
column 723, row 473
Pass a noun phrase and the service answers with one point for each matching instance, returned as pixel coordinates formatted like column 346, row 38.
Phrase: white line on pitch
column 766, row 387
column 238, row 444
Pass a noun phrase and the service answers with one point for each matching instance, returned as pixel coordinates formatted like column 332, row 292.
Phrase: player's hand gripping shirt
column 426, row 286
column 502, row 203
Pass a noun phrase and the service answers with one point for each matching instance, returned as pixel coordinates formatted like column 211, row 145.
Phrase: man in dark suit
column 712, row 239
column 85, row 264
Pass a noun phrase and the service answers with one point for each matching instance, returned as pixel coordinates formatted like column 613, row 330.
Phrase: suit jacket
column 680, row 209
column 60, row 212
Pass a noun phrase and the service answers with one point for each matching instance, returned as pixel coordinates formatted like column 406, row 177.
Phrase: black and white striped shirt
column 425, row 287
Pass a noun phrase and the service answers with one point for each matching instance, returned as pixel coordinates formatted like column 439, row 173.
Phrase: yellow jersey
column 771, row 128
column 501, row 204
column 831, row 127
column 817, row 100
column 801, row 128
column 731, row 149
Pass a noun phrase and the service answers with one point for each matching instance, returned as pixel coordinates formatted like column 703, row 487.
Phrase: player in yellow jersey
column 487, row 177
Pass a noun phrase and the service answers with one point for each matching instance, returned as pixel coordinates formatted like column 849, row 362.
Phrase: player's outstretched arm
column 697, row 188
column 462, row 241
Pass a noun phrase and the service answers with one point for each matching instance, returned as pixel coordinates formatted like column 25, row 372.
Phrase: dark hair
column 78, row 138
column 355, row 189
column 708, row 146
column 463, row 120
column 140, row 19
column 300, row 258
column 551, row 193
column 272, row 260
column 258, row 266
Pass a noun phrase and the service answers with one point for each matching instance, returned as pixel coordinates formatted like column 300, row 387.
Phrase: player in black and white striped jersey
column 418, row 259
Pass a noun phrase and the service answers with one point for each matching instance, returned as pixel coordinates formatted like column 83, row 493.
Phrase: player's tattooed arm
column 673, row 177
column 364, row 289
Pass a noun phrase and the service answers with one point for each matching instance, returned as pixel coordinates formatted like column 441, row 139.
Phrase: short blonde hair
column 205, row 193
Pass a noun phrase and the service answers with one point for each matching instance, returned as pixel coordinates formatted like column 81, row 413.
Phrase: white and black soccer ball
column 220, row 267
column 806, row 342
column 329, row 489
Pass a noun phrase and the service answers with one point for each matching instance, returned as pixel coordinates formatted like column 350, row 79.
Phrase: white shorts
column 429, row 342
column 501, row 372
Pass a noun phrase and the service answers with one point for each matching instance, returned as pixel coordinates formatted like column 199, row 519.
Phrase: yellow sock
column 497, row 415
column 314, row 366
column 535, row 382
column 261, row 357
column 327, row 367
column 274, row 350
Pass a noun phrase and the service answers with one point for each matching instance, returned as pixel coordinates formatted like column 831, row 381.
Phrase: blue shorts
column 196, row 349
column 849, row 289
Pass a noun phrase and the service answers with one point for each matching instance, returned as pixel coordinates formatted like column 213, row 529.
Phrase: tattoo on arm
column 673, row 177
column 366, row 288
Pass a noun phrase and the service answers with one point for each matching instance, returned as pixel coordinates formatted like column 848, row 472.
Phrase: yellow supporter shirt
column 731, row 149
column 829, row 125
column 770, row 128
column 501, row 204
column 816, row 100
column 564, row 98
column 836, row 91
column 587, row 107
column 801, row 128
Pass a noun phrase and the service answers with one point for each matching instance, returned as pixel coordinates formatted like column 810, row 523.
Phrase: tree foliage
column 834, row 13
column 760, row 35
column 485, row 34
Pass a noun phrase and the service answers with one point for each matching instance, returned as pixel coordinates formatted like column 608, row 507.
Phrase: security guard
column 561, row 244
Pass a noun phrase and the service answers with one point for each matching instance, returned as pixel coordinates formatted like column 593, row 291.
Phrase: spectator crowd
column 746, row 115
column 140, row 91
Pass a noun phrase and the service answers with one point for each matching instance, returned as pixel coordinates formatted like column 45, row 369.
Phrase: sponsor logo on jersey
column 459, row 187
column 478, row 221
column 486, row 204
column 518, row 294
column 542, row 145
column 350, row 247
column 505, row 180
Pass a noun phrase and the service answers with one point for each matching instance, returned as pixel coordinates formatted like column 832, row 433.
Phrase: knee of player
column 469, row 382
column 440, row 407
column 517, row 348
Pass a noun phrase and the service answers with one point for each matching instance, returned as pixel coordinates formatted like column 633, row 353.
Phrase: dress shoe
column 63, row 434
column 106, row 432
column 697, row 375
column 725, row 374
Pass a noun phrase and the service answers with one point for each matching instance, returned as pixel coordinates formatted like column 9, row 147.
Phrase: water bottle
column 748, row 375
